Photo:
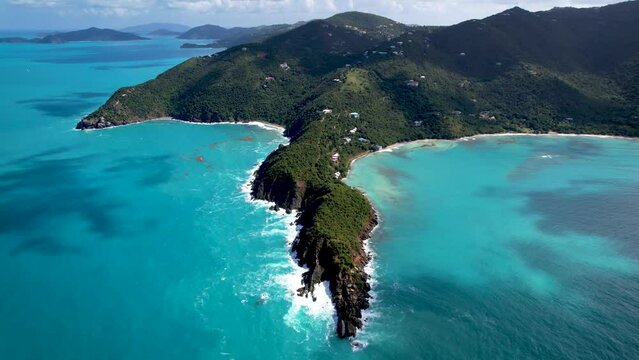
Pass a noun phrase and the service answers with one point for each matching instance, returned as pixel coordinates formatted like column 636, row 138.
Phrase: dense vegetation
column 563, row 70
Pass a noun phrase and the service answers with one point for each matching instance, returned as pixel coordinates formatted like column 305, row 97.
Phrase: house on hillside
column 327, row 111
column 412, row 83
column 354, row 115
column 335, row 157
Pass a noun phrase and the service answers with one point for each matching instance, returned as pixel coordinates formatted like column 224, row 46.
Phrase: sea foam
column 316, row 306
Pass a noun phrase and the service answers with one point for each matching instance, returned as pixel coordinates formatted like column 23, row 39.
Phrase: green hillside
column 564, row 70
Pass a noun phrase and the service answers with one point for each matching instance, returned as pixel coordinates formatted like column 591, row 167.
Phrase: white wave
column 370, row 270
column 358, row 345
column 318, row 305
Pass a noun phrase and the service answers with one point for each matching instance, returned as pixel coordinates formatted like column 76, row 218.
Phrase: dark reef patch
column 610, row 213
column 393, row 175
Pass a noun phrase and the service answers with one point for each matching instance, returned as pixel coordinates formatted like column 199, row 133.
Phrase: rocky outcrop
column 282, row 190
column 348, row 283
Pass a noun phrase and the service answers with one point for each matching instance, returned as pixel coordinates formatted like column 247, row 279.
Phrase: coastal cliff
column 336, row 255
column 356, row 83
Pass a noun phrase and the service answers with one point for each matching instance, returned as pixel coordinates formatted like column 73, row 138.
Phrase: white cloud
column 235, row 5
column 118, row 8
column 254, row 12
column 36, row 3
column 127, row 4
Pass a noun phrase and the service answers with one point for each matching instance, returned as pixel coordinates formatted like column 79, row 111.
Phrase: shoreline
column 322, row 306
column 398, row 145
column 262, row 124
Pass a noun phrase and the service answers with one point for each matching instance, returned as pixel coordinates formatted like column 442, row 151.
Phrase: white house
column 354, row 115
column 327, row 111
column 353, row 130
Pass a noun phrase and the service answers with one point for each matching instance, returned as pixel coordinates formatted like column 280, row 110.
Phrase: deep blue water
column 139, row 242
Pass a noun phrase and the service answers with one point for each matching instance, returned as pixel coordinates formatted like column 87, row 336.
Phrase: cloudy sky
column 66, row 14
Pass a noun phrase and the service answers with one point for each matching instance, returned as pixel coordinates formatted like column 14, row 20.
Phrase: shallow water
column 139, row 242
column 506, row 247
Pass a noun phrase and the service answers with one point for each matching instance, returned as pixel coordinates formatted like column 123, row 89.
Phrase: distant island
column 149, row 29
column 91, row 34
column 198, row 46
column 356, row 83
column 234, row 36
column 163, row 32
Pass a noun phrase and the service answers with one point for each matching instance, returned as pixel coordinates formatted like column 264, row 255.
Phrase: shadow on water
column 65, row 106
column 37, row 190
column 150, row 170
column 136, row 66
column 45, row 245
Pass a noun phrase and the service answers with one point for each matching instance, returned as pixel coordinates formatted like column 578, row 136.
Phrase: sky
column 76, row 14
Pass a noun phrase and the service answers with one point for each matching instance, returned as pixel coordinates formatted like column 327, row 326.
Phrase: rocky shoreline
column 349, row 285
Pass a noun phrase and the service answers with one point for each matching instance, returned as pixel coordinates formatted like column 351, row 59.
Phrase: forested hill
column 357, row 82
column 91, row 34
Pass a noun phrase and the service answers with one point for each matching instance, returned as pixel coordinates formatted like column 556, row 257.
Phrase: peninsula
column 355, row 83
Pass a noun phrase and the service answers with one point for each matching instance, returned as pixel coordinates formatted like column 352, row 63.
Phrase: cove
column 505, row 247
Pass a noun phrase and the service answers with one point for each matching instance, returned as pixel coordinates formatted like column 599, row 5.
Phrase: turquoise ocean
column 140, row 242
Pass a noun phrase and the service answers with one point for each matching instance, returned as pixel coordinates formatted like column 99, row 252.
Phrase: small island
column 91, row 34
column 356, row 83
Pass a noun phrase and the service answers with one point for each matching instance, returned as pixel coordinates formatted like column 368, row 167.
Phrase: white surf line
column 320, row 303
